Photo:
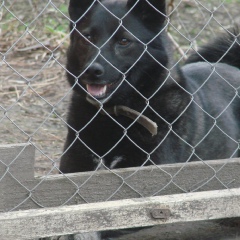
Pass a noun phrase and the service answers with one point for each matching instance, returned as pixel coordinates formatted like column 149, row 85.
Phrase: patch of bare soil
column 34, row 95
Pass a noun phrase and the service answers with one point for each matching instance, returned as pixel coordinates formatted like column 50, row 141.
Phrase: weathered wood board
column 136, row 193
column 120, row 214
column 19, row 189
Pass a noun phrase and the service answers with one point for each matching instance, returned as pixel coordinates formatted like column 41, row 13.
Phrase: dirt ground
column 34, row 93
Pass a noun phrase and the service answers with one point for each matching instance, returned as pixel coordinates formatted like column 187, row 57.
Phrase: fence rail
column 115, row 214
column 21, row 190
column 177, row 204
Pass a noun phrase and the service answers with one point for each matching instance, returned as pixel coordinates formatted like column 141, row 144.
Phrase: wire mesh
column 34, row 93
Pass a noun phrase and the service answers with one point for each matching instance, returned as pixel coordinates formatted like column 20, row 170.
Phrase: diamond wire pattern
column 12, row 13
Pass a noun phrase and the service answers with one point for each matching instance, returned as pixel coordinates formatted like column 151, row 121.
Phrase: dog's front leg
column 79, row 236
column 82, row 236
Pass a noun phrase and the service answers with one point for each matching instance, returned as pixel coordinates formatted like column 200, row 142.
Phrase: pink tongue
column 96, row 90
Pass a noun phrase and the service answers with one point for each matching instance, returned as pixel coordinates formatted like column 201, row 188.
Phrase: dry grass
column 32, row 80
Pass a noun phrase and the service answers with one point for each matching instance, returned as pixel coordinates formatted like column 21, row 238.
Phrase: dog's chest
column 102, row 164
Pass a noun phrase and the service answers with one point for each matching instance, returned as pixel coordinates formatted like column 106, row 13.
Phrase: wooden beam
column 198, row 206
column 19, row 190
column 16, row 167
column 18, row 159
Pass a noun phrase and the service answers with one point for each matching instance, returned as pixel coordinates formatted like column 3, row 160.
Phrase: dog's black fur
column 189, row 111
column 196, row 107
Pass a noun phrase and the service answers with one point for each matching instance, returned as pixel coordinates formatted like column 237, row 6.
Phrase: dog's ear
column 77, row 8
column 152, row 12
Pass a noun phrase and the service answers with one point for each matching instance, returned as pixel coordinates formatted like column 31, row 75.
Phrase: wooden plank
column 16, row 167
column 21, row 191
column 18, row 159
column 119, row 214
column 138, row 182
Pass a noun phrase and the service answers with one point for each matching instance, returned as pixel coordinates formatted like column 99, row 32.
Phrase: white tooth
column 104, row 90
column 96, row 90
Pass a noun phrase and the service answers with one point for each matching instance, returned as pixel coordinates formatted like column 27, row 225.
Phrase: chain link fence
column 33, row 42
column 34, row 101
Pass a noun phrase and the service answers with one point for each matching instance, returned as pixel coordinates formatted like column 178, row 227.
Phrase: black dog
column 119, row 59
column 131, row 106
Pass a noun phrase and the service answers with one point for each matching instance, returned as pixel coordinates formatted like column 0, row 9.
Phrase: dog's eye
column 87, row 39
column 124, row 42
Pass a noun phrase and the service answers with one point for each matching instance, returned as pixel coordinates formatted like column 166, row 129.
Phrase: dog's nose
column 95, row 70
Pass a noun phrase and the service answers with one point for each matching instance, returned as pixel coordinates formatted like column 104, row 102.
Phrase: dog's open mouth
column 97, row 91
column 101, row 91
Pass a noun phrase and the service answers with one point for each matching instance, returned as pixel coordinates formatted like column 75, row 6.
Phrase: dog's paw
column 79, row 236
column 87, row 236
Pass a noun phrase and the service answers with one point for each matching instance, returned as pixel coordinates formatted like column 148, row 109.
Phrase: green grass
column 51, row 22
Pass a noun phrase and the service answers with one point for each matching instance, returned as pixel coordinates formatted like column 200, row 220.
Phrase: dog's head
column 115, row 46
